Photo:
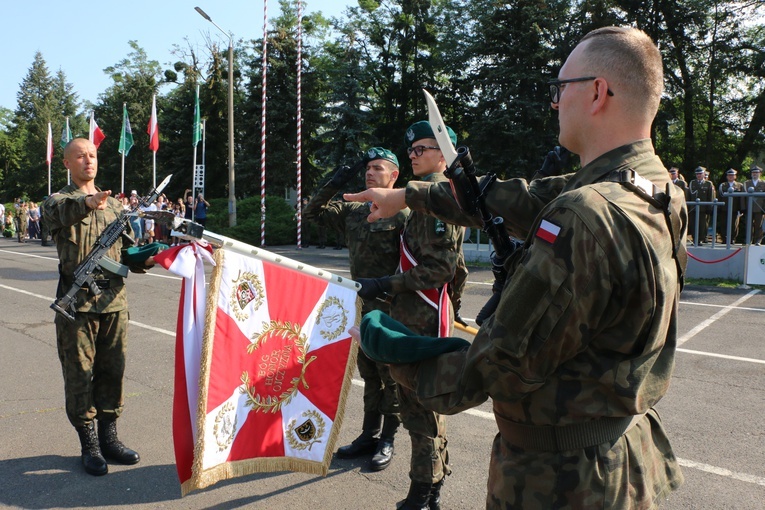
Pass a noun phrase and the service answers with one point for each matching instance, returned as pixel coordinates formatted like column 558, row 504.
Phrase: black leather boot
column 418, row 497
column 366, row 443
column 112, row 447
column 435, row 495
column 92, row 460
column 382, row 457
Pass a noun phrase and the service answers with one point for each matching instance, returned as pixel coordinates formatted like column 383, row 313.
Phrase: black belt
column 566, row 437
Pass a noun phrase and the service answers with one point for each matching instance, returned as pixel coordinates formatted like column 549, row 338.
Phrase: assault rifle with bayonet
column 97, row 262
column 471, row 198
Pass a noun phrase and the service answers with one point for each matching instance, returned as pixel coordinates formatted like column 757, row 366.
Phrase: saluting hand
column 385, row 203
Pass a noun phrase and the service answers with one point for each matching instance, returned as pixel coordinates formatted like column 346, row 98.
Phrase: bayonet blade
column 163, row 184
column 439, row 130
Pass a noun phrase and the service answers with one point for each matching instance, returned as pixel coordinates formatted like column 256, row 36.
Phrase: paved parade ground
column 714, row 412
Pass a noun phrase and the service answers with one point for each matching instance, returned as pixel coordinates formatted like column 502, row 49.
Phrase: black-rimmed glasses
column 555, row 87
column 419, row 149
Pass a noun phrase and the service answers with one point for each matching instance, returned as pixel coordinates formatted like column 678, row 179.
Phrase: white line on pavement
column 722, row 313
column 744, row 477
column 723, row 356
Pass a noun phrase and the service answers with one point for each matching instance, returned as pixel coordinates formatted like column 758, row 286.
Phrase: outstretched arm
column 385, row 202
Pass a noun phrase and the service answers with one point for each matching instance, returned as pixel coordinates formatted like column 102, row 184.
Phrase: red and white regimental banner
column 276, row 367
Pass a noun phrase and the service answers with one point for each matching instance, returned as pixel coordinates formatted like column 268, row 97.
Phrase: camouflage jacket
column 75, row 228
column 437, row 246
column 373, row 248
column 586, row 328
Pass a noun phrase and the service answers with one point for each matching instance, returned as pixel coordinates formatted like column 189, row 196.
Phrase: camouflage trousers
column 427, row 430
column 92, row 354
column 380, row 390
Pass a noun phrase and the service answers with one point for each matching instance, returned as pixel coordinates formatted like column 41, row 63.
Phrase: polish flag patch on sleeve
column 548, row 231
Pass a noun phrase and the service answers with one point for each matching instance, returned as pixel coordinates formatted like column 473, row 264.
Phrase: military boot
column 384, row 453
column 366, row 443
column 92, row 460
column 112, row 447
column 435, row 495
column 417, row 498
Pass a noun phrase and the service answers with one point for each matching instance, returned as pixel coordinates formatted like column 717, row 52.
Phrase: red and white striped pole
column 299, row 123
column 263, row 131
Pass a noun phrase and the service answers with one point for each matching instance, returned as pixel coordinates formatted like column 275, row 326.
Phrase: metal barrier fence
column 751, row 204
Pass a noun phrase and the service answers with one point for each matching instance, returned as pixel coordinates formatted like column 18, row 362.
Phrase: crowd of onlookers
column 25, row 220
column 701, row 189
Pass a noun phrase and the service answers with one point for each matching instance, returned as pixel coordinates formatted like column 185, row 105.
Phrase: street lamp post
column 231, row 194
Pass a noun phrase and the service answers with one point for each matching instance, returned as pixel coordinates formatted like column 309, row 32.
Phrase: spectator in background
column 702, row 190
column 200, row 209
column 188, row 197
column 757, row 186
column 729, row 186
column 22, row 221
column 677, row 178
column 34, row 221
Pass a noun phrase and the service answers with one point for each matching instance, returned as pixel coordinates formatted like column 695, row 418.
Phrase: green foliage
column 281, row 227
column 485, row 61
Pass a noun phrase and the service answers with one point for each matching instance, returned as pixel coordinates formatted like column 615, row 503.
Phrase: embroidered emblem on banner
column 548, row 231
column 225, row 426
column 280, row 350
column 331, row 318
column 247, row 293
column 308, row 433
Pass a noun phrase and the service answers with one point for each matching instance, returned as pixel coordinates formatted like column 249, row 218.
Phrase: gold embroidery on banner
column 271, row 403
column 247, row 288
column 333, row 316
column 225, row 426
column 307, row 433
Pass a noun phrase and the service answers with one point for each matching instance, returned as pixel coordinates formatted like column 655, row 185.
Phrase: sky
column 84, row 38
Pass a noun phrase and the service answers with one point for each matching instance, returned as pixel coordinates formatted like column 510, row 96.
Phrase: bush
column 281, row 227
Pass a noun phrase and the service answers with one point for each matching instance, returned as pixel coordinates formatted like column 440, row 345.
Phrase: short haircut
column 631, row 61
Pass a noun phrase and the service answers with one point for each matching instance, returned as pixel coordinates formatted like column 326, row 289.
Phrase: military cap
column 672, row 170
column 381, row 153
column 731, row 171
column 422, row 129
column 386, row 340
column 700, row 170
column 139, row 254
column 755, row 168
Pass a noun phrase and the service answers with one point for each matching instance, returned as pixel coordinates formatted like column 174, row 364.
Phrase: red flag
column 187, row 261
column 275, row 375
column 95, row 135
column 49, row 152
column 153, row 129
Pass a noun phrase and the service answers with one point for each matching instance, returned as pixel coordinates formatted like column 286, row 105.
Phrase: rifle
column 471, row 198
column 97, row 262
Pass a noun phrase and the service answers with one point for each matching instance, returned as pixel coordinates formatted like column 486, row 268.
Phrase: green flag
column 197, row 121
column 126, row 137
column 66, row 134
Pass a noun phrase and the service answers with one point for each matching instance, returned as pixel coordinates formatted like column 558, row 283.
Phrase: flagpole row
column 279, row 260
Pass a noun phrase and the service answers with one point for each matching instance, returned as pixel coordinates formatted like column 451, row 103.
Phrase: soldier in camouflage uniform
column 434, row 248
column 22, row 221
column 700, row 189
column 92, row 348
column 582, row 344
column 373, row 249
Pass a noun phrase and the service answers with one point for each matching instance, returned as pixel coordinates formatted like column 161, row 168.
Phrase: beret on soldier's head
column 731, row 171
column 381, row 153
column 422, row 129
column 386, row 340
column 700, row 170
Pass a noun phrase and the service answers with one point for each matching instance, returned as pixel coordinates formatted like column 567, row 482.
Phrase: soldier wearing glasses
column 582, row 344
column 431, row 251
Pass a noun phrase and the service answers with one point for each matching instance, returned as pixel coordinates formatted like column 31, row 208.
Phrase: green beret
column 139, row 254
column 422, row 129
column 386, row 340
column 380, row 153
